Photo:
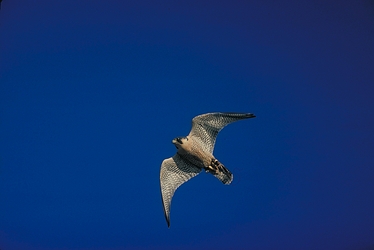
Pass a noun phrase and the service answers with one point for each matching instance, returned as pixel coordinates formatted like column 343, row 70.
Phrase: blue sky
column 93, row 92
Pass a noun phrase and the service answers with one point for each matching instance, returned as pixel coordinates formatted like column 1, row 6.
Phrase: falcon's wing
column 205, row 127
column 174, row 172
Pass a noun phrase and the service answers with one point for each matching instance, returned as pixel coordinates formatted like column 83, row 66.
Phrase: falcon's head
column 179, row 141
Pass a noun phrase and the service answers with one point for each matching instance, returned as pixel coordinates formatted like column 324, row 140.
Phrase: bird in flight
column 195, row 153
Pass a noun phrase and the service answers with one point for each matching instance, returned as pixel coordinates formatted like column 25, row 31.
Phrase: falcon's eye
column 179, row 140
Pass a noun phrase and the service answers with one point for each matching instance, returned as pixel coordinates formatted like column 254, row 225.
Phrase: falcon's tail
column 220, row 171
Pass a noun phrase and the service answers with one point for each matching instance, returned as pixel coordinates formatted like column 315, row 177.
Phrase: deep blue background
column 93, row 92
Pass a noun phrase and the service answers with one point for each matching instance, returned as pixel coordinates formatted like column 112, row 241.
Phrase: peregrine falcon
column 195, row 153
